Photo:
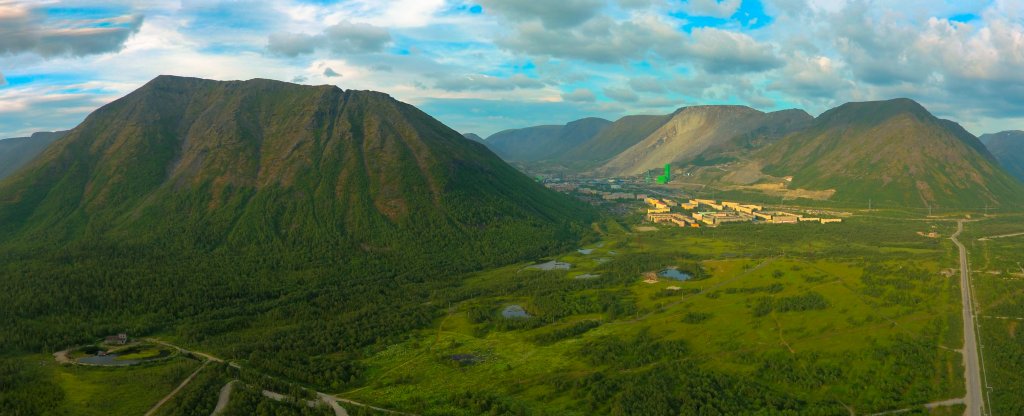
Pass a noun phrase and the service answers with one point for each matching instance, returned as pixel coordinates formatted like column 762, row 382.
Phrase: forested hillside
column 258, row 217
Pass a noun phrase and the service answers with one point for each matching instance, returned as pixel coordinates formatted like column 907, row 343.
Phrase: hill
column 619, row 136
column 892, row 152
column 704, row 133
column 1008, row 149
column 16, row 152
column 539, row 143
column 474, row 137
column 248, row 215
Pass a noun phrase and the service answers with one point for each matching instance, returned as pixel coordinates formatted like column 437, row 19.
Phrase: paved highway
column 972, row 369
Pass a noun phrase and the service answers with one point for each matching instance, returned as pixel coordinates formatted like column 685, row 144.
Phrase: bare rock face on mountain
column 1008, row 149
column 703, row 132
column 892, row 152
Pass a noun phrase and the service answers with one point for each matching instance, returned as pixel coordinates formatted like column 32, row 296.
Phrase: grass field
column 129, row 390
column 855, row 315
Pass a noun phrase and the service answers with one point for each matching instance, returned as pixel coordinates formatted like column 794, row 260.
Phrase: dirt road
column 180, row 386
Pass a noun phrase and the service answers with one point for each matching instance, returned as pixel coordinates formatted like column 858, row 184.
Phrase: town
column 711, row 213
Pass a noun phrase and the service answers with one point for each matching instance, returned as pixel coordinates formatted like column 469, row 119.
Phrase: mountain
column 1008, row 149
column 891, row 152
column 264, row 162
column 474, row 137
column 549, row 142
column 16, row 152
column 619, row 136
column 704, row 132
column 257, row 217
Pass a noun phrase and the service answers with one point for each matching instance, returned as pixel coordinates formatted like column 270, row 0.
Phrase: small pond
column 466, row 359
column 674, row 273
column 514, row 312
column 586, row 276
column 585, row 251
column 551, row 265
column 109, row 359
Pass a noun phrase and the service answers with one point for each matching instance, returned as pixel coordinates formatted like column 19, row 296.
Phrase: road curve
column 972, row 367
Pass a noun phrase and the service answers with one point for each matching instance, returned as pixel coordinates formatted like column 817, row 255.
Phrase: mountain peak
column 871, row 112
column 717, row 109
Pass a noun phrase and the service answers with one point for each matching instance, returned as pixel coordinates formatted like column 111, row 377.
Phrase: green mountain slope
column 892, row 152
column 538, row 143
column 197, row 206
column 16, row 152
column 1008, row 149
column 619, row 136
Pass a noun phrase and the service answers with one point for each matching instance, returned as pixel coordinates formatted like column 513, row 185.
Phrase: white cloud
column 624, row 95
column 552, row 14
column 581, row 95
column 341, row 38
column 486, row 82
column 27, row 29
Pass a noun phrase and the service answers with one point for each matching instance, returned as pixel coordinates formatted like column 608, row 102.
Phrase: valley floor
column 861, row 317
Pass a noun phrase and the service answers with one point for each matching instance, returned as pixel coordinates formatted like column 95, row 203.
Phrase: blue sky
column 486, row 65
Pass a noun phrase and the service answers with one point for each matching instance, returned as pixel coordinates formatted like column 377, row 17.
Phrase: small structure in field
column 119, row 339
column 650, row 277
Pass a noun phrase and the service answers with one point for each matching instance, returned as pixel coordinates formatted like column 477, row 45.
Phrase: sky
column 487, row 65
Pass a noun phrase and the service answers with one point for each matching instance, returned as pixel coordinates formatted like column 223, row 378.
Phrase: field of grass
column 999, row 292
column 804, row 317
column 88, row 390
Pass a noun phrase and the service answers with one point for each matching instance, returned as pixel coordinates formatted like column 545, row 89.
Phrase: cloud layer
column 499, row 64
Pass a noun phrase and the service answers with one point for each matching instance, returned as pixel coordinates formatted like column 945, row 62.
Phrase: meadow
column 805, row 318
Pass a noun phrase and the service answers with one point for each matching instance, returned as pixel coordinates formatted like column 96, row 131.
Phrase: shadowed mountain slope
column 538, row 143
column 16, row 152
column 1008, row 148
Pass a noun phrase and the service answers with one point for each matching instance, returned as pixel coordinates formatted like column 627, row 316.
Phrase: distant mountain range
column 889, row 152
column 1008, row 149
column 537, row 143
column 16, row 152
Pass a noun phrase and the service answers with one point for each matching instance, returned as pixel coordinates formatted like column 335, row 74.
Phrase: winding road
column 332, row 401
column 972, row 367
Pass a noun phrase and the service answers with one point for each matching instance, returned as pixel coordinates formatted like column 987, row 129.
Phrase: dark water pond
column 551, row 265
column 514, row 312
column 673, row 273
column 109, row 359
